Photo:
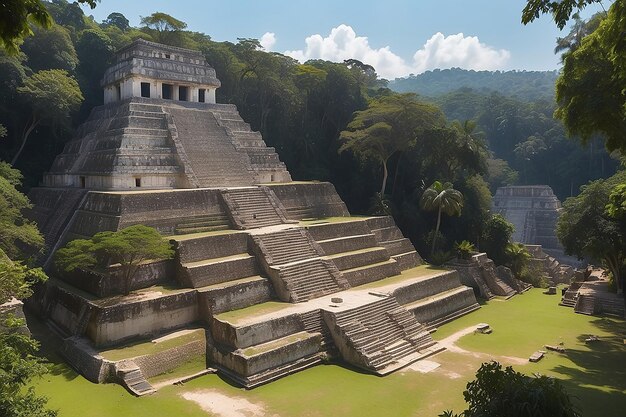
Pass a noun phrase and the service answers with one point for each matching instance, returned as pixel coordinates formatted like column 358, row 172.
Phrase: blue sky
column 397, row 37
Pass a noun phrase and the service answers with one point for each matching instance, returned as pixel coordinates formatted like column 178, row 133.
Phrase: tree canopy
column 390, row 124
column 588, row 230
column 498, row 392
column 128, row 247
column 442, row 198
column 52, row 95
column 16, row 16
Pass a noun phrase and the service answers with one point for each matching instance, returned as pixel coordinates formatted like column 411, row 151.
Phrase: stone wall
column 310, row 199
column 116, row 323
column 242, row 336
column 165, row 361
column 87, row 361
column 111, row 283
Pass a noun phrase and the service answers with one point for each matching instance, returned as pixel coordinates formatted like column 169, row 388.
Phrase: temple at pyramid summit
column 270, row 276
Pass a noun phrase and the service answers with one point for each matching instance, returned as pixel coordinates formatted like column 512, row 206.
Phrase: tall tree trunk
column 385, row 175
column 34, row 121
column 432, row 250
column 395, row 176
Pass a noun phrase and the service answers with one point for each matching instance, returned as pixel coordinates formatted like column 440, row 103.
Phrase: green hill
column 525, row 85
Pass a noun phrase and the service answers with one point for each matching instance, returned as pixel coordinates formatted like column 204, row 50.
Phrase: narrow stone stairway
column 253, row 207
column 380, row 335
column 135, row 382
column 299, row 273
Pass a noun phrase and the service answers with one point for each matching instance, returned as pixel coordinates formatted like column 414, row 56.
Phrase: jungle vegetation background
column 484, row 129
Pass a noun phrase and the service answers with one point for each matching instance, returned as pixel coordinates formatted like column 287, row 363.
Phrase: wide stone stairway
column 212, row 156
column 253, row 207
column 293, row 262
column 380, row 336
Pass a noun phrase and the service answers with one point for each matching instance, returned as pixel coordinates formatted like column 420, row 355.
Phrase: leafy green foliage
column 390, row 124
column 524, row 85
column 442, row 198
column 586, row 229
column 52, row 96
column 164, row 28
column 19, row 238
column 17, row 279
column 465, row 249
column 496, row 238
column 129, row 247
column 16, row 17
column 595, row 67
column 18, row 366
column 50, row 48
column 561, row 10
column 496, row 393
column 517, row 257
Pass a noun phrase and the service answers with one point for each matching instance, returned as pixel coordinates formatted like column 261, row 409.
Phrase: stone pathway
column 449, row 344
column 222, row 405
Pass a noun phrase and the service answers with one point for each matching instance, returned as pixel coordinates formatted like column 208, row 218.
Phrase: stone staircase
column 287, row 246
column 586, row 304
column 389, row 236
column 496, row 285
column 211, row 154
column 378, row 335
column 293, row 261
column 132, row 378
column 263, row 160
column 314, row 323
column 310, row 279
column 354, row 249
column 253, row 207
column 202, row 223
column 570, row 297
column 614, row 306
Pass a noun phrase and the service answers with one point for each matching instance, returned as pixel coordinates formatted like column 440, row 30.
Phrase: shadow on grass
column 49, row 347
column 601, row 365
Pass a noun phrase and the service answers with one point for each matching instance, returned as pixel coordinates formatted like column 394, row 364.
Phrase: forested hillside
column 474, row 139
column 525, row 85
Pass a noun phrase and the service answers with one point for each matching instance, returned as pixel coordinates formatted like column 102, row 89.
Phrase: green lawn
column 594, row 374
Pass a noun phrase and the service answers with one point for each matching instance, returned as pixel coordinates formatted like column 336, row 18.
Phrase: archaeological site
column 270, row 276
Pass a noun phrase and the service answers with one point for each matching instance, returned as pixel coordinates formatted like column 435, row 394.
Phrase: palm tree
column 443, row 198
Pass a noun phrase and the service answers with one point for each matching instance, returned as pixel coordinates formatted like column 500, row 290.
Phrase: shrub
column 465, row 249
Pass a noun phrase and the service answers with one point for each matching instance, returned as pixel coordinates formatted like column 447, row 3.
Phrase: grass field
column 594, row 374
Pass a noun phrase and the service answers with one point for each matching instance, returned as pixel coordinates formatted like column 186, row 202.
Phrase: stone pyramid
column 269, row 276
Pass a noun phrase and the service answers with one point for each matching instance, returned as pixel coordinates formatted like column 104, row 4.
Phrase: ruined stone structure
column 534, row 211
column 275, row 274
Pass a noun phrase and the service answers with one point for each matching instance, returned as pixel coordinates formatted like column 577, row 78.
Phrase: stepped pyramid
column 269, row 275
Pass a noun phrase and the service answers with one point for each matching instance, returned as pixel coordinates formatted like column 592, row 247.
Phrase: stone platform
column 221, row 280
column 273, row 274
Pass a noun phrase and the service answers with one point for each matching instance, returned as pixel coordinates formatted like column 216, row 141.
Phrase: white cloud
column 267, row 41
column 438, row 52
column 467, row 52
column 343, row 43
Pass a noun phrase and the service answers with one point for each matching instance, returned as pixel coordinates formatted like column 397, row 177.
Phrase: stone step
column 215, row 271
column 408, row 260
column 382, row 333
column 236, row 294
column 380, row 222
column 338, row 230
column 443, row 307
column 347, row 243
column 370, row 273
column 135, row 382
column 286, row 246
column 310, row 279
column 358, row 258
column 387, row 233
column 398, row 246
